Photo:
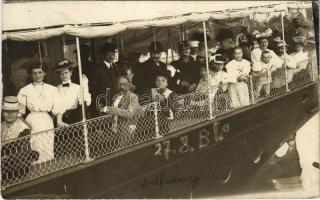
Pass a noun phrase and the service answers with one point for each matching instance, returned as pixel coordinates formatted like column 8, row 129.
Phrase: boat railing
column 109, row 134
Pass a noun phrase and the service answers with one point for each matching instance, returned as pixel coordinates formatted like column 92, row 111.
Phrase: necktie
column 65, row 84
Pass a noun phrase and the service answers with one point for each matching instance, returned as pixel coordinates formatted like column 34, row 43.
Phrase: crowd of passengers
column 121, row 88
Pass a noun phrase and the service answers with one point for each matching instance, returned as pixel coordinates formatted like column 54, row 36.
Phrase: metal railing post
column 85, row 129
column 156, row 120
column 252, row 94
column 208, row 72
column 284, row 53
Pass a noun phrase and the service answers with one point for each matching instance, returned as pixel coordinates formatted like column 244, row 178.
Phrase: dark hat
column 156, row 47
column 280, row 44
column 108, row 47
column 218, row 58
column 184, row 45
column 65, row 64
column 199, row 36
column 244, row 28
column 224, row 34
column 36, row 63
column 164, row 74
column 11, row 103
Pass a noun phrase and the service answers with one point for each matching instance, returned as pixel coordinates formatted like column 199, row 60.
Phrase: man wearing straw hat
column 16, row 152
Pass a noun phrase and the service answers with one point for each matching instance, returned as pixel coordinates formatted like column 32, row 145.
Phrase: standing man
column 225, row 37
column 187, row 74
column 104, row 78
column 146, row 72
column 194, row 49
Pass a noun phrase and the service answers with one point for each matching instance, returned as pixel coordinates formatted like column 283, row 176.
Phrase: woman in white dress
column 238, row 70
column 40, row 99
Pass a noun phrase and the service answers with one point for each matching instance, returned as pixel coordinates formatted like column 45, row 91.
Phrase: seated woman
column 238, row 70
column 16, row 153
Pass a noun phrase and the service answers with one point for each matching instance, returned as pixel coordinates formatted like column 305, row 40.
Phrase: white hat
column 193, row 43
column 11, row 103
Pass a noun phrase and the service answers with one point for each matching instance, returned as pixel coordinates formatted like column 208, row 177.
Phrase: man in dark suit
column 102, row 85
column 146, row 73
column 187, row 73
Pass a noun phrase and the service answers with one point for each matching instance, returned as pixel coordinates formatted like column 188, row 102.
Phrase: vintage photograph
column 160, row 99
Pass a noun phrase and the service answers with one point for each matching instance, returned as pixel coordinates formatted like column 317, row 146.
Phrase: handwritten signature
column 160, row 180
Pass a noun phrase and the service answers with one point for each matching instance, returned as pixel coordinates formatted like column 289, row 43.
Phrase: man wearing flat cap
column 147, row 71
column 187, row 73
column 104, row 78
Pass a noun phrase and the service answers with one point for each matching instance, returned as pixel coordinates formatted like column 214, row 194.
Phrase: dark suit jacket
column 145, row 75
column 189, row 72
column 102, row 78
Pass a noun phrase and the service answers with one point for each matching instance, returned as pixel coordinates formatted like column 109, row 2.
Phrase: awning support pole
column 284, row 51
column 40, row 52
column 85, row 129
column 154, row 38
column 156, row 118
column 208, row 72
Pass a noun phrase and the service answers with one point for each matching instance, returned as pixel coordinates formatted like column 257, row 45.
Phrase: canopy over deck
column 88, row 19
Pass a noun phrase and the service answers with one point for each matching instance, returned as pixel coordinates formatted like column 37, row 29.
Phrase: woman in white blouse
column 238, row 70
column 40, row 99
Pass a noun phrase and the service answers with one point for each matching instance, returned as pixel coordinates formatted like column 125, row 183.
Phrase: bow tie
column 65, row 84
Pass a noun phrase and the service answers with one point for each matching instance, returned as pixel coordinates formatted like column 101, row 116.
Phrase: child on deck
column 238, row 70
column 300, row 56
column 220, row 80
column 262, row 70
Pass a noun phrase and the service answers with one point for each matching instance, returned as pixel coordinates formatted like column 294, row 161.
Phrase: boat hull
column 207, row 159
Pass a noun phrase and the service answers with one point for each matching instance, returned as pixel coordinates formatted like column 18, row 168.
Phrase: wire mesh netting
column 81, row 142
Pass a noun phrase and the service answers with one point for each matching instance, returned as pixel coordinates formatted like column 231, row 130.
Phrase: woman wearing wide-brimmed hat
column 39, row 101
column 16, row 153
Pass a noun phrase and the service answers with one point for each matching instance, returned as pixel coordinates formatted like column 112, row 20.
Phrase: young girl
column 220, row 80
column 238, row 70
column 262, row 70
column 300, row 56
